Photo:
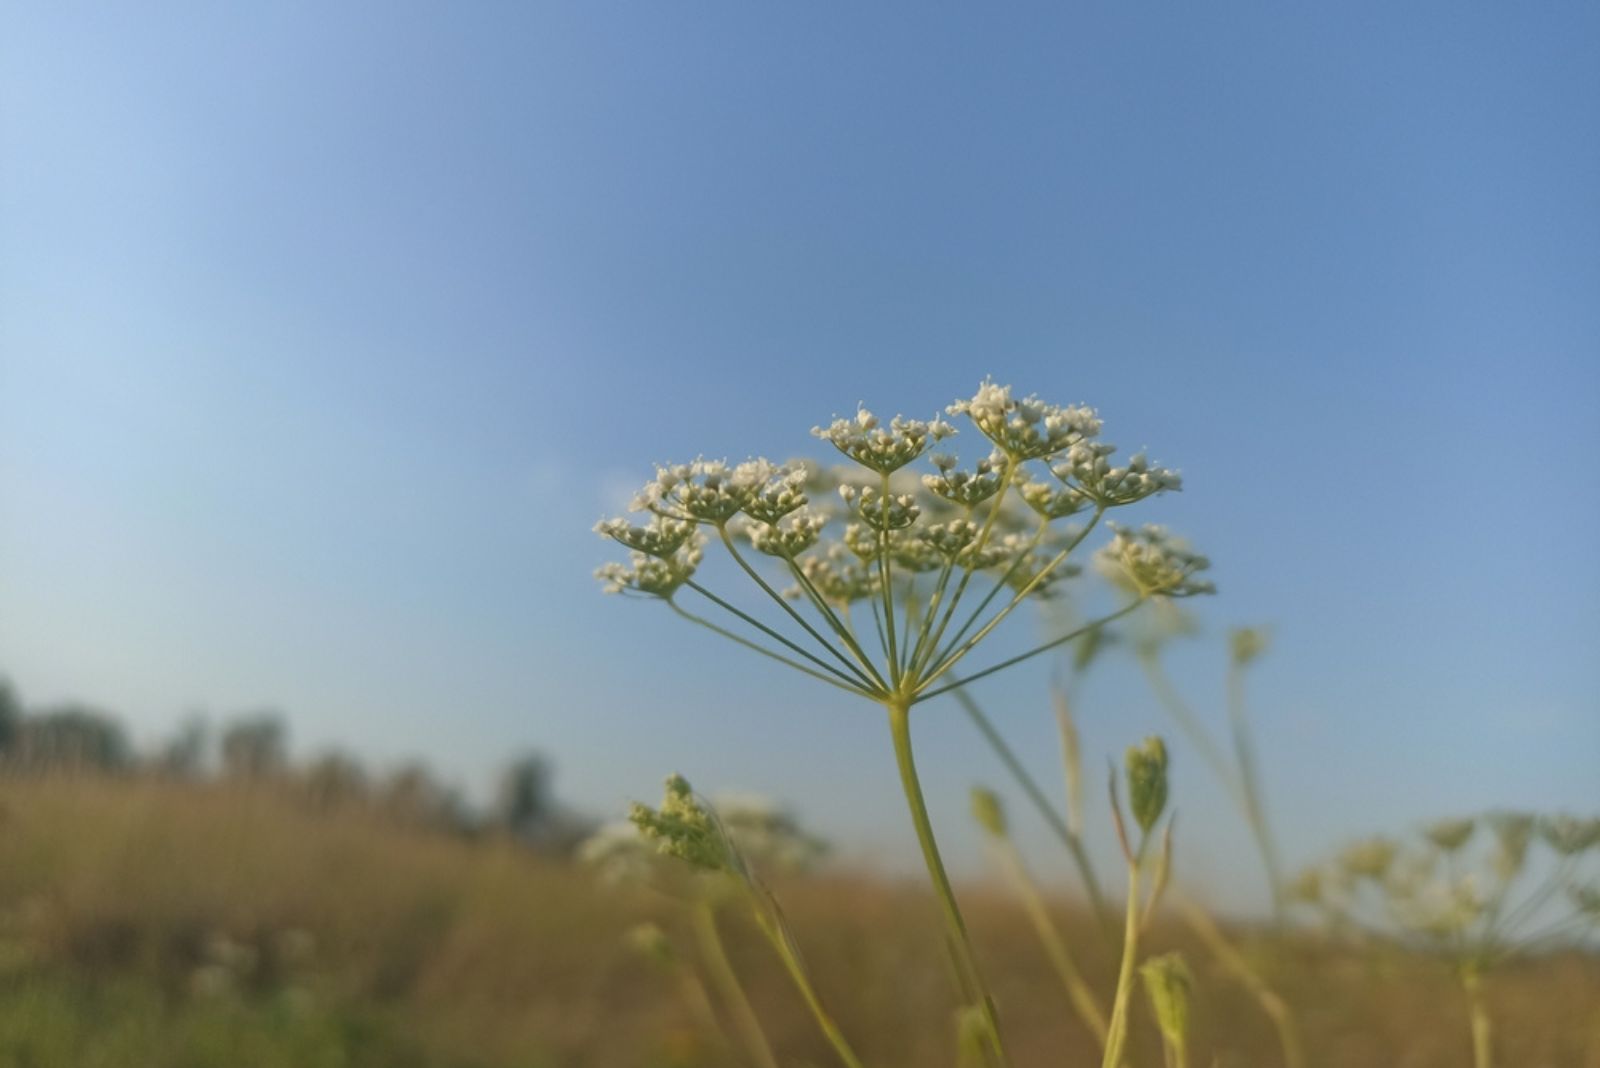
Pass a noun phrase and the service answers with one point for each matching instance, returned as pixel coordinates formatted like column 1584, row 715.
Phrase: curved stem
column 808, row 993
column 1080, row 856
column 1078, row 992
column 1233, row 961
column 729, row 987
column 1250, row 783
column 1117, row 1035
column 966, row 961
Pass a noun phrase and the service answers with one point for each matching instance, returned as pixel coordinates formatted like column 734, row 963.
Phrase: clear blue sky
column 326, row 333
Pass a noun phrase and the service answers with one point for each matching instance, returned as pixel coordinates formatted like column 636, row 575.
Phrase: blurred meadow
column 1228, row 375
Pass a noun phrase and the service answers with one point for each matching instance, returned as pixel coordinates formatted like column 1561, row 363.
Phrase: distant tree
column 255, row 747
column 69, row 738
column 184, row 755
column 334, row 779
column 10, row 716
column 413, row 796
column 523, row 803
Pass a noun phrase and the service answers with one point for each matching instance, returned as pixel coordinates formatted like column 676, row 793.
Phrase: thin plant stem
column 729, row 988
column 802, row 981
column 1074, row 844
column 846, row 684
column 956, row 928
column 840, row 625
column 886, row 569
column 1078, row 992
column 1478, row 1012
column 1117, row 1032
column 1276, row 1009
column 1030, row 654
column 946, row 658
column 977, row 547
column 733, row 551
column 1250, row 785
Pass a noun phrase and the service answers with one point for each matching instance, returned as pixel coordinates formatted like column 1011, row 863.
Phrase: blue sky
column 325, row 335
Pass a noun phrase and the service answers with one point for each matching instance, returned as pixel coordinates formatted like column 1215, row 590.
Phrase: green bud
column 651, row 942
column 1246, row 644
column 1450, row 835
column 1147, row 781
column 682, row 828
column 988, row 811
column 1170, row 984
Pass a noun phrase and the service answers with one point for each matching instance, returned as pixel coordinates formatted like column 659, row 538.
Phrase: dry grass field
column 165, row 924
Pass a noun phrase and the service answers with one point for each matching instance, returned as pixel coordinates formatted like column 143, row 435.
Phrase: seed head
column 1513, row 832
column 1147, row 781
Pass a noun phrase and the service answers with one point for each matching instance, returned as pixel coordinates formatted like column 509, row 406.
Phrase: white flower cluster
column 658, row 576
column 1026, row 429
column 787, row 537
column 709, row 491
column 879, row 510
column 1087, row 467
column 1152, row 563
column 966, row 488
column 884, row 449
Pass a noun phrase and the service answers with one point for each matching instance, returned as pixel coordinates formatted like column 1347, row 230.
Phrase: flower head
column 684, row 828
column 883, row 449
column 709, row 491
column 1026, row 429
column 1150, row 562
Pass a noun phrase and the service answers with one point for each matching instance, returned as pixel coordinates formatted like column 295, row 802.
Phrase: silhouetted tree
column 184, row 756
column 523, row 805
column 255, row 747
column 334, row 779
column 69, row 738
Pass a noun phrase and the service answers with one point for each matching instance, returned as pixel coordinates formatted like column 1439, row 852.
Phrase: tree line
column 253, row 749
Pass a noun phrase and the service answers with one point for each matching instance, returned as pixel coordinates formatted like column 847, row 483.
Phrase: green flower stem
column 966, row 961
column 1478, row 1009
column 1045, row 648
column 1117, row 1034
column 947, row 659
column 887, row 571
column 966, row 574
column 1235, row 963
column 733, row 551
column 840, row 625
column 919, row 648
column 1078, row 992
column 1250, row 783
column 839, row 679
column 729, row 987
column 1242, row 783
column 1074, row 844
column 802, row 982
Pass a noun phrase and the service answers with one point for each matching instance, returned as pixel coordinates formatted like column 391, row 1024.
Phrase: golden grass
column 478, row 953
